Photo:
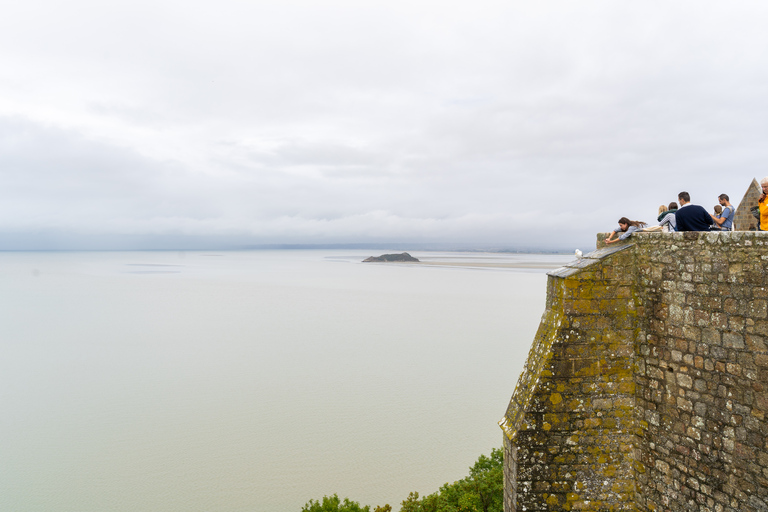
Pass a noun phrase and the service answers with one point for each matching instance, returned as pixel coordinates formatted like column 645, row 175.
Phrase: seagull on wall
column 579, row 254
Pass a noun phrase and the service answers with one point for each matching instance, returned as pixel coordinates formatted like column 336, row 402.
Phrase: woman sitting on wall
column 626, row 228
column 667, row 220
column 672, row 208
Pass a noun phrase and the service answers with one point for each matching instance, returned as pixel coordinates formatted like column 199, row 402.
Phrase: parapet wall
column 647, row 384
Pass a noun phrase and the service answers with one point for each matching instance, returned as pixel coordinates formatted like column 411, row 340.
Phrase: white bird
column 579, row 253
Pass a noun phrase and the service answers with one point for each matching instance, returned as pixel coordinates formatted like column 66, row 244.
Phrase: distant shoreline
column 531, row 265
column 471, row 262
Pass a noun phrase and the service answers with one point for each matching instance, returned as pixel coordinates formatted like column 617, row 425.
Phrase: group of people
column 692, row 217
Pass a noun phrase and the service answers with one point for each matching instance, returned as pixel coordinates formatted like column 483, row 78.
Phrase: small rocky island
column 391, row 257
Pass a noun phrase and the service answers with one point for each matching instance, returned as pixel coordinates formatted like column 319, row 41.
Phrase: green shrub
column 481, row 491
column 334, row 504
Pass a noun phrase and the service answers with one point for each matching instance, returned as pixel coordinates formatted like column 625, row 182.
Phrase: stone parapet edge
column 541, row 349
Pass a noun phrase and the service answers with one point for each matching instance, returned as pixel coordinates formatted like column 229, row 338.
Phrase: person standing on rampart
column 763, row 205
column 725, row 220
column 692, row 217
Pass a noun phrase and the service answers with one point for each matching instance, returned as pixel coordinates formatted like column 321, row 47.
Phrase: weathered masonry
column 646, row 387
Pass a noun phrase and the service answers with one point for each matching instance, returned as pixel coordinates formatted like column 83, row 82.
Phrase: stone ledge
column 704, row 237
column 587, row 260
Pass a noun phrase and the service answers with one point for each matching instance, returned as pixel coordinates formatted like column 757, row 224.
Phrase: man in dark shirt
column 691, row 217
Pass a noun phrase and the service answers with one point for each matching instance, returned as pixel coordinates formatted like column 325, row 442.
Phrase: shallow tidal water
column 254, row 380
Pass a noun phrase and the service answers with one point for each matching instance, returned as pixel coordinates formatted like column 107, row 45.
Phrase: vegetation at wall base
column 481, row 491
column 334, row 504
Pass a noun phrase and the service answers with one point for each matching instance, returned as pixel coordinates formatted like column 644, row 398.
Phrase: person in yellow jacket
column 763, row 205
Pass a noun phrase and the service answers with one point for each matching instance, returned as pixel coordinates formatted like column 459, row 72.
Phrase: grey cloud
column 509, row 122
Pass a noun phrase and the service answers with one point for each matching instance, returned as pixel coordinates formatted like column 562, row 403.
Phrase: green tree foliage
column 334, row 504
column 481, row 491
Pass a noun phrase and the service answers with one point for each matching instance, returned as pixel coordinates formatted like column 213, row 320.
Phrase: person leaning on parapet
column 763, row 205
column 667, row 219
column 691, row 217
column 724, row 221
column 626, row 228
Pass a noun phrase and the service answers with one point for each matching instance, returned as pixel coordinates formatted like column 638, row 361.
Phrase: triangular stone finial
column 743, row 220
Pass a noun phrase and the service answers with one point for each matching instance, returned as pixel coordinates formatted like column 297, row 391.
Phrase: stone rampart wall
column 702, row 371
column 646, row 385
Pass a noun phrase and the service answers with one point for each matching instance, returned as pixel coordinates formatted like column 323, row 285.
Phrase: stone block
column 761, row 328
column 684, row 380
column 710, row 336
column 733, row 340
column 758, row 309
column 691, row 333
column 755, row 343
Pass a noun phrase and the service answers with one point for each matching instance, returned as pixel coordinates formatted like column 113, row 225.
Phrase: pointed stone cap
column 743, row 220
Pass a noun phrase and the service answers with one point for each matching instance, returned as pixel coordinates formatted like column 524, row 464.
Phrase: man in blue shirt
column 725, row 221
column 691, row 217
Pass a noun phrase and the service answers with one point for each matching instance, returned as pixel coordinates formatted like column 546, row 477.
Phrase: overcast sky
column 511, row 124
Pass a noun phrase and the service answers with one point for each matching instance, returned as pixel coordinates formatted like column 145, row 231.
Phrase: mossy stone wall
column 646, row 387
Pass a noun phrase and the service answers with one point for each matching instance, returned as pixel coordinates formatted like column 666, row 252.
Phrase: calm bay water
column 253, row 381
